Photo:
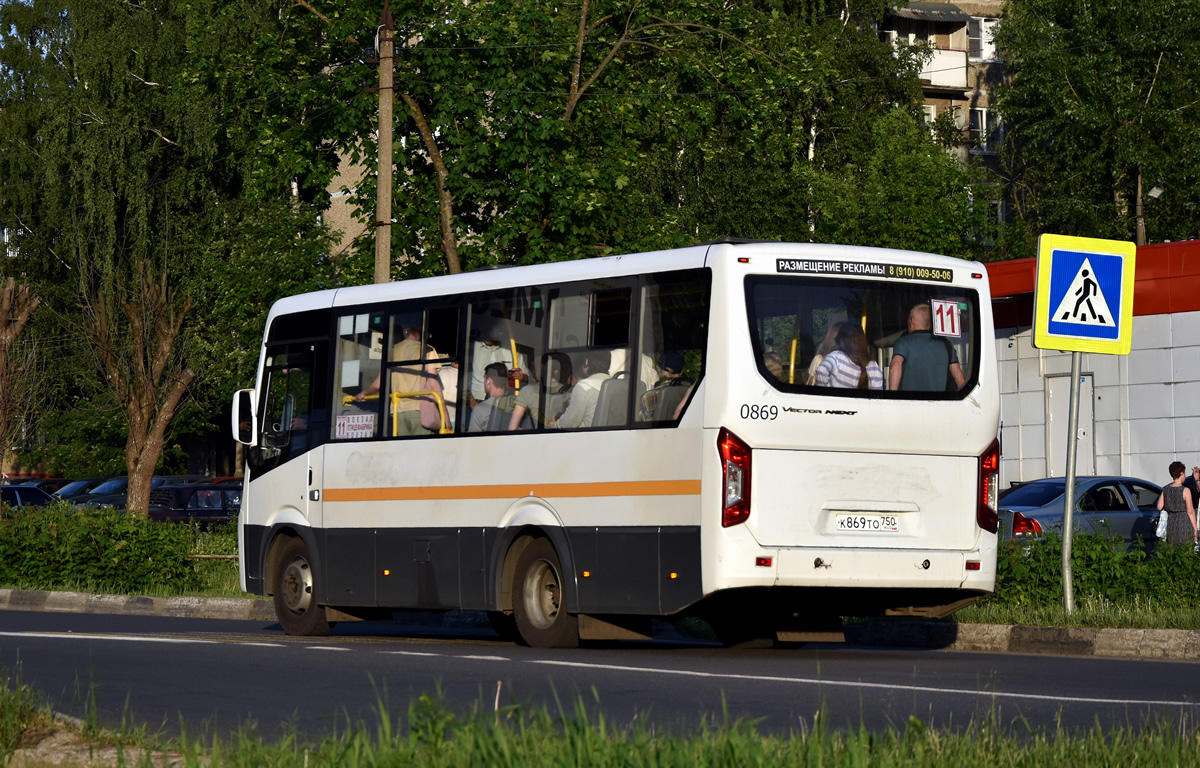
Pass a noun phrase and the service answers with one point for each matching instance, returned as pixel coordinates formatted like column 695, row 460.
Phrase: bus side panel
column 349, row 575
column 622, row 506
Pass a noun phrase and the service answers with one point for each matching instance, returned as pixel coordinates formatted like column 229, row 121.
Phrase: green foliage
column 1096, row 96
column 20, row 708
column 107, row 551
column 1102, row 569
column 514, row 736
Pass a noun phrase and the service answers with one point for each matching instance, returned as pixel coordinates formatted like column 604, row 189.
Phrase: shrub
column 1101, row 567
column 62, row 546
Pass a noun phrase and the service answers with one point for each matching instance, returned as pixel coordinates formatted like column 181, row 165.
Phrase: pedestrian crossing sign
column 1083, row 300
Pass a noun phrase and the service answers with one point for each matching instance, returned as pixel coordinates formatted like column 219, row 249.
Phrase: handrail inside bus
column 792, row 367
column 396, row 397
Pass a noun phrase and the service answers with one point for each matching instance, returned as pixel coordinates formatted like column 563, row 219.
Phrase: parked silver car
column 1126, row 506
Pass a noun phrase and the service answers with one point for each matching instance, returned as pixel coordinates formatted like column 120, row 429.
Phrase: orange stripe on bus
column 544, row 490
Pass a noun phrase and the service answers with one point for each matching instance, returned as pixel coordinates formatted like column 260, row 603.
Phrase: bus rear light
column 989, row 477
column 972, row 565
column 1023, row 527
column 763, row 562
column 735, row 470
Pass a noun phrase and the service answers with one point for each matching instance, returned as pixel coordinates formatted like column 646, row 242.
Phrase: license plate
column 868, row 523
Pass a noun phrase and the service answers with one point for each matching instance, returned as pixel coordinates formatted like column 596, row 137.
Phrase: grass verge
column 429, row 734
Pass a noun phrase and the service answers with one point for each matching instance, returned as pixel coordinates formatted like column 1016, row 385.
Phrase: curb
column 1179, row 644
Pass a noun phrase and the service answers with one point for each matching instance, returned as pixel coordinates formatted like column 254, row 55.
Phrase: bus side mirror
column 244, row 427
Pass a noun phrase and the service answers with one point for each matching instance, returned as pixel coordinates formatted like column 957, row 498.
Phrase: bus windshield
column 852, row 337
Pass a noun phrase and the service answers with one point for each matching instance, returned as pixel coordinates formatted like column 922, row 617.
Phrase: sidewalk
column 993, row 638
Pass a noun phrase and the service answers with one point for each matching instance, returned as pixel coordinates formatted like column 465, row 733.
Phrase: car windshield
column 116, row 485
column 1034, row 494
column 70, row 488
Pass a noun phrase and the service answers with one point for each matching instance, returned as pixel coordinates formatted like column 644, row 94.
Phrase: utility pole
column 383, row 192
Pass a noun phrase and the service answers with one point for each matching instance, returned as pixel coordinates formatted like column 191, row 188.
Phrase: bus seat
column 669, row 399
column 612, row 406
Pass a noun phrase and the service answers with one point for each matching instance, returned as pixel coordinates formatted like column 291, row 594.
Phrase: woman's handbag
column 1161, row 530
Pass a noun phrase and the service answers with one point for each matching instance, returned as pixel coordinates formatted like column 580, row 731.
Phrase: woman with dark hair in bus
column 850, row 366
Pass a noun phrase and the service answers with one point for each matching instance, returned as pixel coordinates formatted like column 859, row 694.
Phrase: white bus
column 753, row 433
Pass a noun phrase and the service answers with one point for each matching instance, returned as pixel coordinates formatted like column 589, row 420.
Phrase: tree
column 16, row 365
column 164, row 167
column 543, row 132
column 1099, row 107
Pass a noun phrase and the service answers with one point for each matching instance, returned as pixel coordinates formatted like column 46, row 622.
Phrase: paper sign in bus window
column 947, row 319
column 355, row 425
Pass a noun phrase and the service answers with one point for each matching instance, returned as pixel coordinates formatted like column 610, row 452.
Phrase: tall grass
column 430, row 734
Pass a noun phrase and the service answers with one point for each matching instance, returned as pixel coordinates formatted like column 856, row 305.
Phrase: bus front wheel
column 296, row 605
column 540, row 600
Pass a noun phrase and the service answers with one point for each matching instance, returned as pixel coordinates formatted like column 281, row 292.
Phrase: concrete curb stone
column 992, row 638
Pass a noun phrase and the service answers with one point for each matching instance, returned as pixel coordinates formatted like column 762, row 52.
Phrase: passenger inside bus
column 922, row 362
column 849, row 365
column 827, row 346
column 406, row 381
column 581, row 408
column 493, row 346
column 493, row 412
column 659, row 402
column 551, row 382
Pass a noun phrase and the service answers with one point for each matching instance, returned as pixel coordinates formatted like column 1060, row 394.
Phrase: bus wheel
column 540, row 601
column 296, row 605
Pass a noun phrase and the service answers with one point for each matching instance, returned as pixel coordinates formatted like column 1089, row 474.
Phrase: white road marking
column 483, row 658
column 128, row 638
column 860, row 684
column 409, row 653
column 325, row 648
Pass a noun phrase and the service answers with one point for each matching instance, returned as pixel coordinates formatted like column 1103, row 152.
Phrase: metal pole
column 383, row 192
column 1069, row 485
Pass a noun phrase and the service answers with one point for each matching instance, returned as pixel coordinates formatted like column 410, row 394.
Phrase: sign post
column 1083, row 302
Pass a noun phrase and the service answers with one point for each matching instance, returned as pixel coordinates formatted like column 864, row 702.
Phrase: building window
column 10, row 249
column 928, row 115
column 980, row 41
column 986, row 131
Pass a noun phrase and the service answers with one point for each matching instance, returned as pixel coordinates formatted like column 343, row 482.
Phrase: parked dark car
column 24, row 496
column 76, row 488
column 1126, row 506
column 115, row 492
column 47, row 484
column 206, row 504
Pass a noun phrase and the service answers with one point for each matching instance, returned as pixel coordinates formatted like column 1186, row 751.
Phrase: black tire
column 297, row 605
column 540, row 601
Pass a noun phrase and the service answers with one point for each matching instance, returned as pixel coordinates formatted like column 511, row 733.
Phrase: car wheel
column 540, row 601
column 296, row 599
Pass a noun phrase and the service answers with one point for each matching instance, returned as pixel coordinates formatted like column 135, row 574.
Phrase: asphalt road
column 208, row 675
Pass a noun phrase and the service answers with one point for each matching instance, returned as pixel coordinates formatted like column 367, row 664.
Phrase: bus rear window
column 873, row 338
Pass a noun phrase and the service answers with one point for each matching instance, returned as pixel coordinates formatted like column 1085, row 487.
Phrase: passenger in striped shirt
column 850, row 366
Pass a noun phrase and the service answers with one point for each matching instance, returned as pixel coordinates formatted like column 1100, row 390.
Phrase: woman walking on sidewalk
column 1177, row 502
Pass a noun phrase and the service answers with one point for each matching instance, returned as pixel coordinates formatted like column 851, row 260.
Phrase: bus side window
column 674, row 337
column 357, row 375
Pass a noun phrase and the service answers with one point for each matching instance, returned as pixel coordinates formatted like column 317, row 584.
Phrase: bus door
column 292, row 425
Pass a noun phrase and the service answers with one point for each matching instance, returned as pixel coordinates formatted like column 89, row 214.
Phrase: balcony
column 947, row 69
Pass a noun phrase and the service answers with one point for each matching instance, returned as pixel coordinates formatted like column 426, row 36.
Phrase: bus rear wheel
column 296, row 605
column 540, row 601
